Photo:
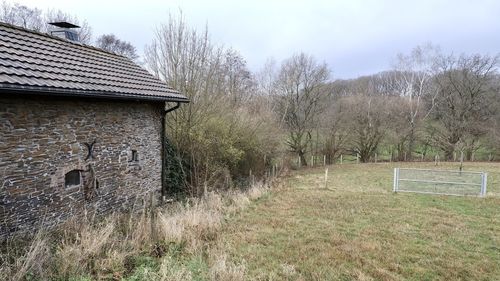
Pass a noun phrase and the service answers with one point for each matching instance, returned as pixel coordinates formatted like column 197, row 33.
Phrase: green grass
column 357, row 229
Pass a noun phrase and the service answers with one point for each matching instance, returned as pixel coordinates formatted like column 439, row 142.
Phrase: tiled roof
column 39, row 63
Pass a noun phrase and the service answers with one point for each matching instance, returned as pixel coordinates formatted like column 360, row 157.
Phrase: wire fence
column 437, row 158
column 443, row 182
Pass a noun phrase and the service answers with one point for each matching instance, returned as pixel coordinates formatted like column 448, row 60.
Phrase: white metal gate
column 443, row 182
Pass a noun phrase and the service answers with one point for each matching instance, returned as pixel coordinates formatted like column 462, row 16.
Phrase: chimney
column 65, row 30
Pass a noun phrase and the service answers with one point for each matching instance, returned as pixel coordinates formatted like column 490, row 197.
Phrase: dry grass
column 222, row 270
column 357, row 229
column 177, row 242
column 34, row 260
column 193, row 223
column 87, row 249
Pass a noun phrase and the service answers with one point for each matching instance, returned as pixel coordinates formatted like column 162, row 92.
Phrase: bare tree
column 300, row 93
column 368, row 110
column 239, row 80
column 187, row 61
column 334, row 130
column 464, row 104
column 222, row 132
column 412, row 81
column 21, row 15
column 35, row 19
column 111, row 43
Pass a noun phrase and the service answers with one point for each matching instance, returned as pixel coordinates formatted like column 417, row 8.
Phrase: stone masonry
column 42, row 139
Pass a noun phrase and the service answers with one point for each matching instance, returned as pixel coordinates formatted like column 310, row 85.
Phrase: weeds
column 175, row 242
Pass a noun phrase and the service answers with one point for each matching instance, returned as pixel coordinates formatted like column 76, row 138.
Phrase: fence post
column 375, row 157
column 396, row 180
column 405, row 156
column 461, row 162
column 484, row 181
column 341, row 160
column 250, row 177
column 357, row 158
column 324, row 160
column 312, row 160
column 299, row 163
column 326, row 178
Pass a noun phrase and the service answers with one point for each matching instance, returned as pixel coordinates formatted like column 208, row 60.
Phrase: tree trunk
column 411, row 142
column 302, row 158
column 448, row 153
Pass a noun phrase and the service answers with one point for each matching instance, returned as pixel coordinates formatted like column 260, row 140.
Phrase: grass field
column 357, row 229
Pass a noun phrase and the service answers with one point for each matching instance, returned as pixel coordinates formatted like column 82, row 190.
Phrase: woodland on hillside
column 239, row 124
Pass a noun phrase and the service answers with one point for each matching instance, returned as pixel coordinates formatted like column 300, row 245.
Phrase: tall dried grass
column 85, row 247
column 192, row 223
column 35, row 259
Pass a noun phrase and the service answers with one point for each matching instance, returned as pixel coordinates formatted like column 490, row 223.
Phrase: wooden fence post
column 326, row 178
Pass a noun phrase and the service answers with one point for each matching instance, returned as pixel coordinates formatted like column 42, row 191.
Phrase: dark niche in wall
column 73, row 178
column 135, row 156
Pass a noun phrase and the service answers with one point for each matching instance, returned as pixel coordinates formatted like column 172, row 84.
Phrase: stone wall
column 42, row 139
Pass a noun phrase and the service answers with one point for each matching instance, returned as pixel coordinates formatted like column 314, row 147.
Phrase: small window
column 72, row 178
column 135, row 156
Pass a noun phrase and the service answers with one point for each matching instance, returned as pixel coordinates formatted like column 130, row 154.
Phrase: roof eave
column 33, row 90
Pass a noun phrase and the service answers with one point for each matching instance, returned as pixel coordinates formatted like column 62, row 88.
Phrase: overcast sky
column 354, row 37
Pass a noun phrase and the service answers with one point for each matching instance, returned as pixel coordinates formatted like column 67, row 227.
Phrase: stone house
column 80, row 129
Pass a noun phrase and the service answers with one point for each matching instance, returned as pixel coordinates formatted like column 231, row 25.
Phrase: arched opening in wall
column 73, row 178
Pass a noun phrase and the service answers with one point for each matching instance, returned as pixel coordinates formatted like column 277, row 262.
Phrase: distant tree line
column 240, row 124
column 429, row 101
